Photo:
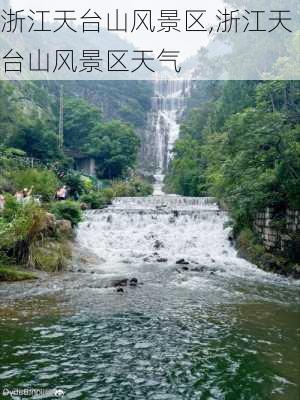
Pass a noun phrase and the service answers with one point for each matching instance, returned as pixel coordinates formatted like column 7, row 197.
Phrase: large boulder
column 182, row 261
column 158, row 244
column 64, row 227
column 50, row 221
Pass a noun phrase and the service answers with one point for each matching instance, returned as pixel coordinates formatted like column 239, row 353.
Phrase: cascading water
column 168, row 105
column 134, row 232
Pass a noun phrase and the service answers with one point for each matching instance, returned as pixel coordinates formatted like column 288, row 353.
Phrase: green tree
column 35, row 138
column 114, row 145
column 80, row 119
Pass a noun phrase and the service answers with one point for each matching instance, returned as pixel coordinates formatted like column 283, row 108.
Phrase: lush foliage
column 99, row 122
column 69, row 210
column 74, row 183
column 114, row 146
column 242, row 144
column 20, row 225
column 134, row 187
column 29, row 122
column 97, row 199
column 11, row 274
column 43, row 181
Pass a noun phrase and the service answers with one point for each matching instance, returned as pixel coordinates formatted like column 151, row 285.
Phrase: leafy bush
column 44, row 182
column 69, row 210
column 87, row 183
column 98, row 199
column 94, row 200
column 11, row 207
column 133, row 188
column 74, row 183
column 108, row 194
column 19, row 227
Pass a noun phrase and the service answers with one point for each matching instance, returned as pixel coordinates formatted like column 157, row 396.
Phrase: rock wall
column 280, row 232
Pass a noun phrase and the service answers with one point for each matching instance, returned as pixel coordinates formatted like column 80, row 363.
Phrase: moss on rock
column 11, row 274
column 254, row 252
column 50, row 255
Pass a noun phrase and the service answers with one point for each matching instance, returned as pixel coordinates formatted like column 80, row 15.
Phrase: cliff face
column 129, row 101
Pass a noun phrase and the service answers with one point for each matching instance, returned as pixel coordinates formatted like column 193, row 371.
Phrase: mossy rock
column 50, row 255
column 250, row 249
column 64, row 228
column 11, row 274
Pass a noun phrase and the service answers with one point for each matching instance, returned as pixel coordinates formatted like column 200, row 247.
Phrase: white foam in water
column 132, row 230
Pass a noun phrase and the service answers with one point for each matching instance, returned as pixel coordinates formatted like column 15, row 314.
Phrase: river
column 212, row 327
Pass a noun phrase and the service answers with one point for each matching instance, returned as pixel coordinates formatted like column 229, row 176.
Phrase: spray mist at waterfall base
column 200, row 323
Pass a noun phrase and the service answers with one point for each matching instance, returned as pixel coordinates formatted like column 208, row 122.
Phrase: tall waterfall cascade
column 168, row 106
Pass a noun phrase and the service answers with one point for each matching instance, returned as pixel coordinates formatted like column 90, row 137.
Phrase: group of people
column 25, row 195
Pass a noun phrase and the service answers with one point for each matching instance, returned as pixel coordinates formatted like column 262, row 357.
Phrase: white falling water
column 135, row 232
column 168, row 105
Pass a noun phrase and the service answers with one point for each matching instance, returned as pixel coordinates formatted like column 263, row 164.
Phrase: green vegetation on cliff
column 29, row 115
column 241, row 144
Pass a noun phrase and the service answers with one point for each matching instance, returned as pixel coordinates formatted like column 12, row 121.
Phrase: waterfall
column 168, row 105
column 135, row 232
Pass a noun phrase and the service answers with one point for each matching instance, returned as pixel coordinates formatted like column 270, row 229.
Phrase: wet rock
column 84, row 206
column 176, row 213
column 120, row 290
column 161, row 206
column 133, row 282
column 63, row 227
column 120, row 282
column 109, row 219
column 182, row 261
column 50, row 222
column 84, row 257
column 172, row 220
column 150, row 236
column 158, row 245
column 185, row 268
column 198, row 269
column 162, row 260
column 213, row 261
